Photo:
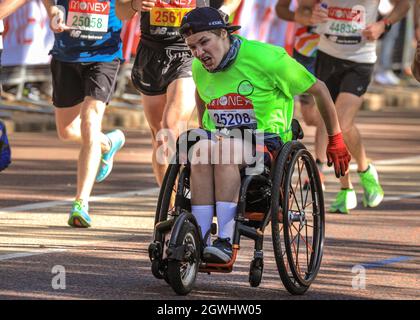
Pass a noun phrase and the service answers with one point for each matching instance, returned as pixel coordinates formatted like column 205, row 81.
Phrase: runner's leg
column 91, row 115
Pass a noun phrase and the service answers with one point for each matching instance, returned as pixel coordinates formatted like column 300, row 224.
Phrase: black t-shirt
column 160, row 28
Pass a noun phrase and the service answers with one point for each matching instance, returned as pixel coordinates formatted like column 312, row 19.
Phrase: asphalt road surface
column 109, row 261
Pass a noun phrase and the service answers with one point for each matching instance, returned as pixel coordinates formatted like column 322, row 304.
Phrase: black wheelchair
column 277, row 196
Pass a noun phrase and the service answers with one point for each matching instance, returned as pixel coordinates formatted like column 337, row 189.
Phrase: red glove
column 338, row 154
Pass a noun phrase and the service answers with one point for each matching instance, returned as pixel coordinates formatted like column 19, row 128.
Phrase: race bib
column 345, row 25
column 88, row 18
column 232, row 110
column 169, row 13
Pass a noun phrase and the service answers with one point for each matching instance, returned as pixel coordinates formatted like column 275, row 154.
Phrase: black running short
column 156, row 67
column 73, row 81
column 343, row 75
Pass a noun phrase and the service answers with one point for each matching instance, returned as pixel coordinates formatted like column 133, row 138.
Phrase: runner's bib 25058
column 169, row 13
column 88, row 18
column 232, row 110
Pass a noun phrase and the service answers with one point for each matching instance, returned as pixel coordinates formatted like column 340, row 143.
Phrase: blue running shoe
column 117, row 140
column 79, row 217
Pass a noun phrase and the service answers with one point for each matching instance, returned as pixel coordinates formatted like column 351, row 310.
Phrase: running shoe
column 117, row 140
column 373, row 193
column 79, row 217
column 219, row 252
column 345, row 201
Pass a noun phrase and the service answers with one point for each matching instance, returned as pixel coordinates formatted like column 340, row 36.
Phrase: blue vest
column 94, row 35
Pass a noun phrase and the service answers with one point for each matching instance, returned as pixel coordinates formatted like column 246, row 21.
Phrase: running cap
column 204, row 19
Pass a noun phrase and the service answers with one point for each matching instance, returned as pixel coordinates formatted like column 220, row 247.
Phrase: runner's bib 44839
column 345, row 25
column 232, row 110
column 88, row 18
column 169, row 13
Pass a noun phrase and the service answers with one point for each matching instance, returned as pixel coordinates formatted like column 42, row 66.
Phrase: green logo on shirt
column 245, row 88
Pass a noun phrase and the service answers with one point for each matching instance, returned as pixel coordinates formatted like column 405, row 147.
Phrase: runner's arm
column 230, row 6
column 201, row 106
column 7, row 7
column 310, row 13
column 337, row 153
column 283, row 11
column 57, row 16
column 125, row 9
column 326, row 106
column 376, row 29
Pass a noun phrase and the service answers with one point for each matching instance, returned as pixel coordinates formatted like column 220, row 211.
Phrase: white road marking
column 28, row 254
column 50, row 204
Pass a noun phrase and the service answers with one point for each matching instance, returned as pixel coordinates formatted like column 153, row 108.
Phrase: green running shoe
column 345, row 201
column 117, row 141
column 373, row 193
column 79, row 217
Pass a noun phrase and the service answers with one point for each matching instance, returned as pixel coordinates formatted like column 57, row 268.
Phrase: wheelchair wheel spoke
column 300, row 235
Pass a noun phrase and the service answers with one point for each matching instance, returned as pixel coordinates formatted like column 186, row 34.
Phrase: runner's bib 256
column 232, row 110
column 169, row 13
column 88, row 18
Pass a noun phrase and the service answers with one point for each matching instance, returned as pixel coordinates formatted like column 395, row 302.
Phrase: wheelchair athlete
column 246, row 84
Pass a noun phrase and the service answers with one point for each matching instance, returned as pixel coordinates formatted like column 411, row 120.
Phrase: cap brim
column 232, row 28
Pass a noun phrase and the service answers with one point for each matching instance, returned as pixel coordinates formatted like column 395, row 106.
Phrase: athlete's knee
column 68, row 134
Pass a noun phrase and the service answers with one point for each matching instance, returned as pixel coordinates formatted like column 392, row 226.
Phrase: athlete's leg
column 153, row 107
column 168, row 112
column 202, row 185
column 68, row 124
column 91, row 114
column 347, row 106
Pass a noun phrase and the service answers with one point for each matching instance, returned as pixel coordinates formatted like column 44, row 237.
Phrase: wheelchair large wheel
column 298, row 232
column 169, row 199
column 182, row 273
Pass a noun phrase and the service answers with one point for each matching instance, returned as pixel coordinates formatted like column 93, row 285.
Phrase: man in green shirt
column 242, row 84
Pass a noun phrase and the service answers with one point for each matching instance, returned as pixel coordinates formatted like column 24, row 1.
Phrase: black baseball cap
column 204, row 19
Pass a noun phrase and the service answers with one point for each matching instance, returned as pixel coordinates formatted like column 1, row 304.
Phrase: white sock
column 204, row 216
column 226, row 212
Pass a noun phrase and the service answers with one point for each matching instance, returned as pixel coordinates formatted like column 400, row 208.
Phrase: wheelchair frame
column 172, row 257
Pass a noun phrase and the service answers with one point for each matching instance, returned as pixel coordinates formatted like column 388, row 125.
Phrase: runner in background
column 86, row 59
column 304, row 51
column 162, row 68
column 345, row 61
column 7, row 7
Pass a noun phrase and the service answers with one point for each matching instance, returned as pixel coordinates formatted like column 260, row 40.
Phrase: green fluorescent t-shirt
column 257, row 90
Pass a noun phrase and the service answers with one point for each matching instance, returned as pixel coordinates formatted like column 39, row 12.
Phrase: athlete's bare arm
column 283, row 11
column 7, row 7
column 201, row 106
column 310, row 13
column 230, row 6
column 375, row 30
column 125, row 9
column 325, row 106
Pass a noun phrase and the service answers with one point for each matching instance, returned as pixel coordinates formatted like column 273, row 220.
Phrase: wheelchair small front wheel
column 182, row 271
column 256, row 272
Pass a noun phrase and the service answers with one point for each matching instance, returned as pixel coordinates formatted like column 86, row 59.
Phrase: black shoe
column 219, row 252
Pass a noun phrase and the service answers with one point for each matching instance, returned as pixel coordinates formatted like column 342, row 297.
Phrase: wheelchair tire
column 182, row 274
column 256, row 272
column 284, row 183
